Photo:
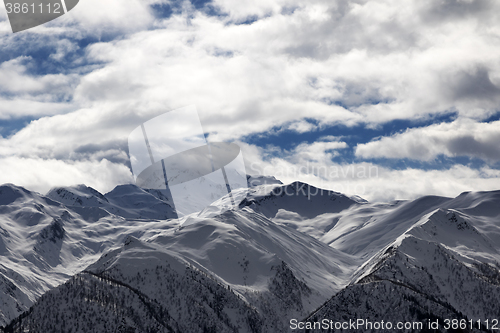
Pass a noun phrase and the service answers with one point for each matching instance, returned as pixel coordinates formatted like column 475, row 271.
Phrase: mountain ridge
column 281, row 253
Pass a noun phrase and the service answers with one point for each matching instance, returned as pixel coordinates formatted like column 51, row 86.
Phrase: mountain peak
column 77, row 195
column 304, row 199
column 256, row 180
column 124, row 189
column 10, row 193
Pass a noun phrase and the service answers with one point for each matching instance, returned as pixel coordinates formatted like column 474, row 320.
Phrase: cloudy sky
column 387, row 99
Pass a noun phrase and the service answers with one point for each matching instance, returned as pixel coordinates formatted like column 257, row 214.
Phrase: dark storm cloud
column 113, row 151
column 468, row 145
column 474, row 85
column 442, row 10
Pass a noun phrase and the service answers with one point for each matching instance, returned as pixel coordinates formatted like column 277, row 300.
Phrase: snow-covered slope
column 282, row 251
column 43, row 242
column 306, row 200
column 274, row 269
column 141, row 287
column 240, row 247
column 25, row 236
column 257, row 180
column 445, row 266
column 128, row 201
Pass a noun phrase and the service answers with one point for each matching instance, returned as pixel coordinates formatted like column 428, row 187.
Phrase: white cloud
column 42, row 174
column 370, row 181
column 302, row 126
column 29, row 95
column 242, row 10
column 22, row 107
column 110, row 16
column 381, row 59
column 341, row 62
column 463, row 137
column 317, row 151
column 13, row 79
column 61, row 136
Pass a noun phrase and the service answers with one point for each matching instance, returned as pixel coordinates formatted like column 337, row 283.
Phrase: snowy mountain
column 446, row 266
column 303, row 199
column 127, row 201
column 43, row 242
column 256, row 180
column 76, row 260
